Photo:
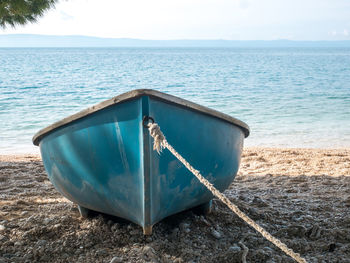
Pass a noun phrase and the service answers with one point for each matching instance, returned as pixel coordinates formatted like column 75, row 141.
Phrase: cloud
column 346, row 32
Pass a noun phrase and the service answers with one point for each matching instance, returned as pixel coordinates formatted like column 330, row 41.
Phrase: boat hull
column 104, row 161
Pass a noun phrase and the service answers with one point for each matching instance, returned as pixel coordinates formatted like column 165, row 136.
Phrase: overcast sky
column 197, row 19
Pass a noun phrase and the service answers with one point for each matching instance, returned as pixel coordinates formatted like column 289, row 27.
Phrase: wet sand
column 301, row 196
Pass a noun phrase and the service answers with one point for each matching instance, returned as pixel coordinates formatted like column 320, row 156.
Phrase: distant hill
column 27, row 40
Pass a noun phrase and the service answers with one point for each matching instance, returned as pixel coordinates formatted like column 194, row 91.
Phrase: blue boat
column 102, row 158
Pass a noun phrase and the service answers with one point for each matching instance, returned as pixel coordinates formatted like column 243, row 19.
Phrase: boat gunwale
column 133, row 95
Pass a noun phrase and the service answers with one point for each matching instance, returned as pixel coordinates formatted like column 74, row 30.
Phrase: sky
column 196, row 19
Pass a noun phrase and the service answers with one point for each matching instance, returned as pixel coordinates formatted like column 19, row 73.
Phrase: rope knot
column 158, row 137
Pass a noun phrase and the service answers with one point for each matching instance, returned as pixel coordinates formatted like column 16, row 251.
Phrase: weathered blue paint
column 104, row 160
column 210, row 145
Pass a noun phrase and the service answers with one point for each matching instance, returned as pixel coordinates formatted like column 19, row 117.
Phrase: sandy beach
column 301, row 196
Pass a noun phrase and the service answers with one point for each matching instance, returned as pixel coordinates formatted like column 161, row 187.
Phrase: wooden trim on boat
column 135, row 94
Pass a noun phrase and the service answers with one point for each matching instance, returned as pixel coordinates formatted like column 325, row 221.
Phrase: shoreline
column 265, row 161
column 301, row 196
column 245, row 147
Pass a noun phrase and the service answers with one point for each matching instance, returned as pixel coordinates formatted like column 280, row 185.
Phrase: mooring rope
column 160, row 143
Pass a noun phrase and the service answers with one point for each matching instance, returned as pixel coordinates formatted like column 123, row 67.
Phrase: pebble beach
column 301, row 196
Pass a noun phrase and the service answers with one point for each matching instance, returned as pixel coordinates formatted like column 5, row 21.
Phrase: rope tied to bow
column 161, row 143
column 158, row 136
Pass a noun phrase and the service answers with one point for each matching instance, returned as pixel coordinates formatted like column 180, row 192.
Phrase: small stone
column 28, row 256
column 24, row 213
column 148, row 249
column 134, row 232
column 115, row 227
column 41, row 243
column 185, row 227
column 148, row 253
column 18, row 243
column 8, row 255
column 296, row 231
column 255, row 214
column 101, row 252
column 269, row 251
column 259, row 202
column 2, row 228
column 314, row 233
column 56, row 226
column 234, row 249
column 46, row 221
column 204, row 221
column 117, row 260
column 215, row 234
column 308, row 217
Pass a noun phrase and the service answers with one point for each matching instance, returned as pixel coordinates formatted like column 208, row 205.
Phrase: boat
column 102, row 157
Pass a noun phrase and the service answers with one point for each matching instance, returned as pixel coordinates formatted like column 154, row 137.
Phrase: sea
column 290, row 97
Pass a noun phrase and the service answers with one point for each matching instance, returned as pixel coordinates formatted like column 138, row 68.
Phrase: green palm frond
column 20, row 12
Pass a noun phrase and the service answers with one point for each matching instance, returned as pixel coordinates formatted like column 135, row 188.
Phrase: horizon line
column 177, row 39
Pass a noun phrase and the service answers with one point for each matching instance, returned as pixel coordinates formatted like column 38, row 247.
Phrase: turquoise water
column 290, row 97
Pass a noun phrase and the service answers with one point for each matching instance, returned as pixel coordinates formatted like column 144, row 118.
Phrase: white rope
column 160, row 143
